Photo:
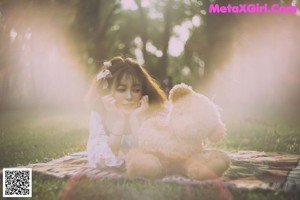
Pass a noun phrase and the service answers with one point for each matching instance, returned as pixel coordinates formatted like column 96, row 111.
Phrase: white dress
column 99, row 153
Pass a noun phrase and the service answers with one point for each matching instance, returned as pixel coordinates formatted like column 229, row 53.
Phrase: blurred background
column 51, row 49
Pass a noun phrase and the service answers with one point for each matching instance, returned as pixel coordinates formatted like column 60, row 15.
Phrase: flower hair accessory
column 103, row 75
column 107, row 64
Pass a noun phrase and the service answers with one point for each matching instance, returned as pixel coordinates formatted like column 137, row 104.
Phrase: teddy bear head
column 193, row 116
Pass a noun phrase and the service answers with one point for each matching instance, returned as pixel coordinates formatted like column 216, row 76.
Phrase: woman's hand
column 117, row 122
column 142, row 109
column 137, row 115
column 109, row 104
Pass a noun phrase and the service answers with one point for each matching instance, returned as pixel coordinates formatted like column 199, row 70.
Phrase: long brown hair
column 118, row 69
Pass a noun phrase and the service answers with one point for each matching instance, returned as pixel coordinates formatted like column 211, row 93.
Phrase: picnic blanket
column 249, row 170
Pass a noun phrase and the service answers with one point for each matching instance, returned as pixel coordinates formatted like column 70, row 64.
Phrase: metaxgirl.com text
column 251, row 8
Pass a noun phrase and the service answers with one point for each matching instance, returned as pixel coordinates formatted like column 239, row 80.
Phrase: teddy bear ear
column 179, row 91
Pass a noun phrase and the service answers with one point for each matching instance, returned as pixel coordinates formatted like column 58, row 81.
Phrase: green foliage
column 99, row 30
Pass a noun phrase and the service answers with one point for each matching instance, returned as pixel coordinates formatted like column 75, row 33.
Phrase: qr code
column 17, row 182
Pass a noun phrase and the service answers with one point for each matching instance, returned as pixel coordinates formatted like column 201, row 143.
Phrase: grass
column 39, row 136
column 255, row 133
column 146, row 190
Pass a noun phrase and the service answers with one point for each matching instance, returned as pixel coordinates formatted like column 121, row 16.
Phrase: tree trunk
column 143, row 30
column 163, row 64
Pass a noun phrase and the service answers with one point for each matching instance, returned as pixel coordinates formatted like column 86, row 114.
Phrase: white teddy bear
column 174, row 145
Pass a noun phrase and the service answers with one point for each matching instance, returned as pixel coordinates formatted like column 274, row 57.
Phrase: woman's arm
column 116, row 135
column 116, row 123
column 137, row 117
column 98, row 149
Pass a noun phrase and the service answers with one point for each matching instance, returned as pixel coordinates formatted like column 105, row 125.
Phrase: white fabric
column 99, row 153
column 98, row 150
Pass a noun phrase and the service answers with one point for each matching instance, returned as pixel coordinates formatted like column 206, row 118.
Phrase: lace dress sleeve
column 98, row 150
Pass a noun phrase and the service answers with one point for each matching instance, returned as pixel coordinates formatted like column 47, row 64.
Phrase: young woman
column 121, row 96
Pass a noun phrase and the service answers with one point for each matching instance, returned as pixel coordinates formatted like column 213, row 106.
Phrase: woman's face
column 127, row 94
